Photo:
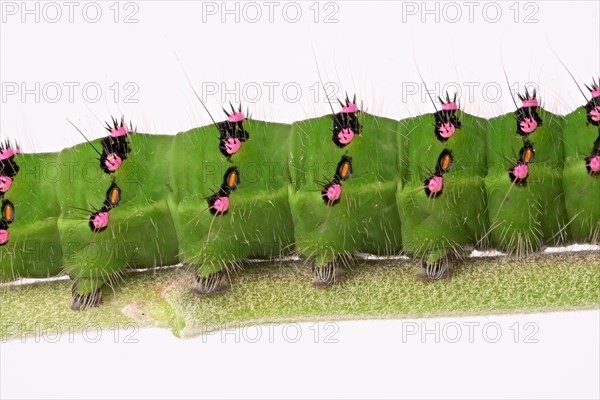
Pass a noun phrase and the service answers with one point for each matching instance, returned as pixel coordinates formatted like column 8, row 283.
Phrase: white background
column 554, row 357
column 372, row 49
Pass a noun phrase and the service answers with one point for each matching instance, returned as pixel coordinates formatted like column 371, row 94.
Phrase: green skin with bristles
column 434, row 228
column 366, row 218
column 35, row 249
column 277, row 209
column 525, row 218
column 140, row 232
column 258, row 223
column 581, row 192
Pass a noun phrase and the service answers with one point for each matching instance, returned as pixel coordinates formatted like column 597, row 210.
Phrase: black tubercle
column 225, row 190
column 342, row 173
column 514, row 179
column 8, row 214
column 343, row 170
column 93, row 216
column 596, row 148
column 527, row 145
column 345, row 120
column 9, row 166
column 524, row 113
column 445, row 117
column 440, row 168
column 428, row 192
column 593, row 104
column 110, row 203
column 231, row 173
column 595, row 153
column 324, row 193
column 115, row 145
column 228, row 129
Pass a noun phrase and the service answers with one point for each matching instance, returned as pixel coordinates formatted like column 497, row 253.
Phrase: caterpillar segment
column 581, row 183
column 524, row 184
column 432, row 187
column 229, row 208
column 342, row 197
column 113, row 218
column 442, row 201
column 30, row 244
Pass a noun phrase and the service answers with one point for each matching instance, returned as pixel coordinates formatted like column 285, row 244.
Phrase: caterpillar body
column 430, row 187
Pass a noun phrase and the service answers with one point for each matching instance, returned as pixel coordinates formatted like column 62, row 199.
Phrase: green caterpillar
column 430, row 187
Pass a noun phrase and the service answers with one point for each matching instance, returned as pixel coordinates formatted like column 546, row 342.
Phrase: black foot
column 211, row 284
column 327, row 275
column 441, row 269
column 80, row 302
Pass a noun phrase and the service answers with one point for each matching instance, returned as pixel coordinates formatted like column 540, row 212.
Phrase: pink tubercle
column 3, row 237
column 350, row 108
column 521, row 171
column 594, row 164
column 530, row 103
column 5, row 154
column 221, row 205
column 113, row 162
column 528, row 125
column 345, row 136
column 450, row 106
column 5, row 183
column 100, row 220
column 435, row 184
column 120, row 131
column 447, row 129
column 596, row 92
column 595, row 114
column 236, row 117
column 334, row 191
column 232, row 145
